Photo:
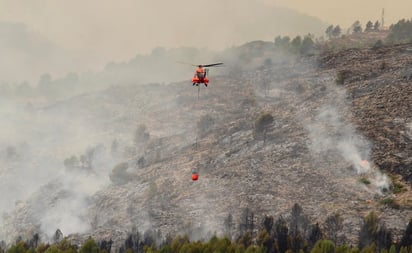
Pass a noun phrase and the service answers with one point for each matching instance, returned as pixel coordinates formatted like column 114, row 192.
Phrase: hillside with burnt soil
column 378, row 82
column 339, row 135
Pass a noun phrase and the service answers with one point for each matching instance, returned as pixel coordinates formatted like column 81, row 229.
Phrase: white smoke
column 332, row 135
column 69, row 210
column 329, row 132
column 33, row 146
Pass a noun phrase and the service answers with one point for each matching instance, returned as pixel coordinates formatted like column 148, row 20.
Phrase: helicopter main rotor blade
column 214, row 64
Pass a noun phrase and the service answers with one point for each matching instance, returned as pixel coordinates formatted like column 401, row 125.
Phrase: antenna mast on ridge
column 382, row 18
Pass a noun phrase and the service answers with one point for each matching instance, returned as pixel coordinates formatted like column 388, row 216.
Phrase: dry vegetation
column 372, row 102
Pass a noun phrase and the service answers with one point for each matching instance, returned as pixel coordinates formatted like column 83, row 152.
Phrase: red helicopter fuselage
column 200, row 80
column 200, row 76
column 201, row 72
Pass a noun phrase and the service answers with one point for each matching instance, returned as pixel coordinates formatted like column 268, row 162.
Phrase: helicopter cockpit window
column 200, row 74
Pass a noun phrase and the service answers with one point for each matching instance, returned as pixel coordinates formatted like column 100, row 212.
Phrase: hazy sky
column 120, row 29
column 345, row 12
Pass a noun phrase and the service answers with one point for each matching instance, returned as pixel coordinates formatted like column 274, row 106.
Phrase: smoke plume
column 333, row 137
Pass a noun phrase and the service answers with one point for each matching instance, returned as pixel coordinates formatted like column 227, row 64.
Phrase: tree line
column 401, row 32
column 336, row 31
column 295, row 234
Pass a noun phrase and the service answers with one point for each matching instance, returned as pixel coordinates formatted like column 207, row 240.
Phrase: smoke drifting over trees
column 86, row 151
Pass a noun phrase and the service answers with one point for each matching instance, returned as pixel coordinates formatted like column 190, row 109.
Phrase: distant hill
column 27, row 55
column 257, row 21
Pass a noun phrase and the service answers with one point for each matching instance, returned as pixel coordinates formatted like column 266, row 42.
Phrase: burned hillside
column 378, row 82
column 321, row 131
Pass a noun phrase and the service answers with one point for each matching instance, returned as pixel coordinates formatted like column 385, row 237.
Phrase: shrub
column 141, row 135
column 365, row 181
column 71, row 163
column 323, row 246
column 378, row 44
column 90, row 246
column 262, row 123
column 341, row 76
column 397, row 187
column 119, row 173
column 391, row 202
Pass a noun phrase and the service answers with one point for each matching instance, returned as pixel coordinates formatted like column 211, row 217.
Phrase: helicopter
column 201, row 72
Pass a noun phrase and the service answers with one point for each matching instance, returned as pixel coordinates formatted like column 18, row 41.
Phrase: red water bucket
column 195, row 176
